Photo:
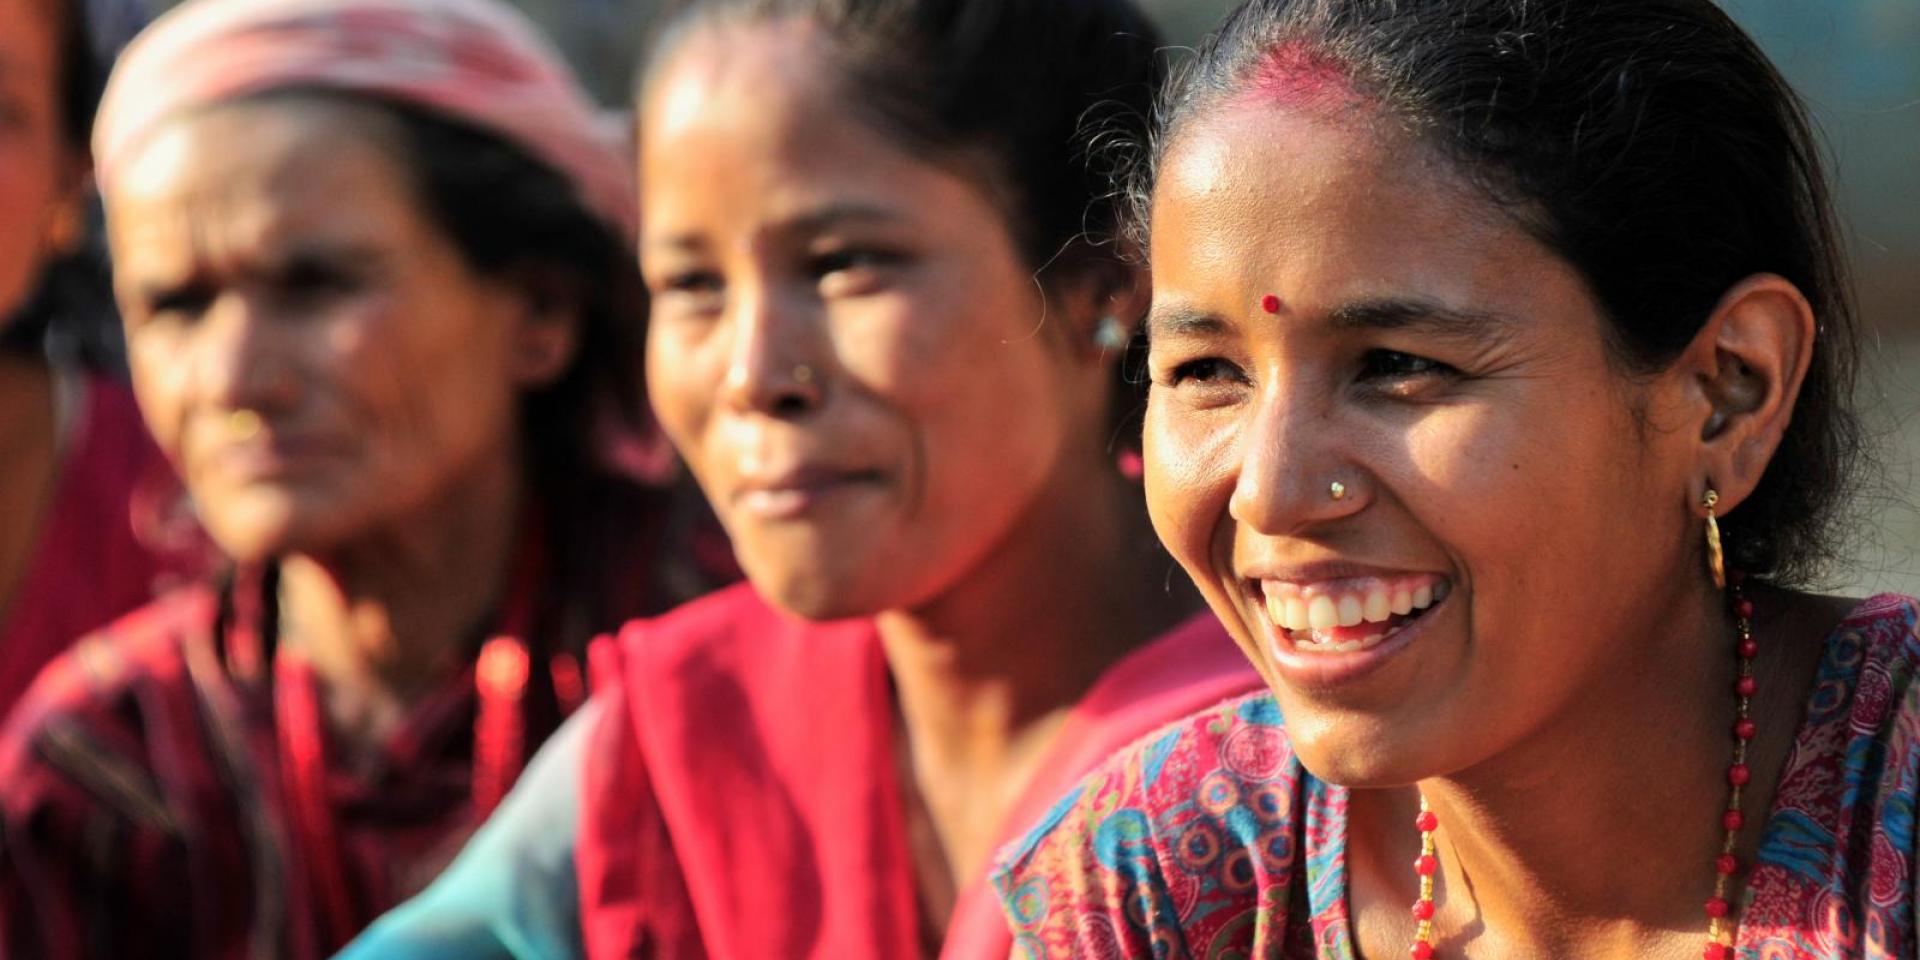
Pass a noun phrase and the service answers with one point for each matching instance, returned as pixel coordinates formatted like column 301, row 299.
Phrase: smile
column 1348, row 615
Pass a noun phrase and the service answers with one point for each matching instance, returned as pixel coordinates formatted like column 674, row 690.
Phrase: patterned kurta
column 1209, row 839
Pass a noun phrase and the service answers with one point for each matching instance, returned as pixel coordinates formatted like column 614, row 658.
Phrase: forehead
column 1277, row 193
column 258, row 174
column 750, row 114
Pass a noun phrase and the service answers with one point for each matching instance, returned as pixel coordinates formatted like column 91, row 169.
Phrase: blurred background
column 1857, row 63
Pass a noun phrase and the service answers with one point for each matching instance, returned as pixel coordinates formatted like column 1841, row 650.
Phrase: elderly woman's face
column 1497, row 518
column 846, row 344
column 311, row 351
column 39, row 170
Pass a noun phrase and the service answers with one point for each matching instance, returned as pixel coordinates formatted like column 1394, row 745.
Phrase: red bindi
column 1297, row 74
column 1270, row 303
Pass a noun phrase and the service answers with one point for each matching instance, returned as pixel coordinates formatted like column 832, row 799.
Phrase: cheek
column 1531, row 497
column 1189, row 479
column 685, row 368
column 26, row 204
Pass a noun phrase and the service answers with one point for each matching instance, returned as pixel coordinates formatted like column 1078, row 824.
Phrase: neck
column 383, row 618
column 988, row 670
column 1597, row 835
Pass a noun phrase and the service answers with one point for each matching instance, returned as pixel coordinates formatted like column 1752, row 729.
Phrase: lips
column 788, row 494
column 1351, row 614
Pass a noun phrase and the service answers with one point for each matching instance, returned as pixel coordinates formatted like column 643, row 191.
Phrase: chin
column 251, row 529
column 1360, row 753
column 810, row 594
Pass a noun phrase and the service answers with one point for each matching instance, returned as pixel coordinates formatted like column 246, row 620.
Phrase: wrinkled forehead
column 247, row 176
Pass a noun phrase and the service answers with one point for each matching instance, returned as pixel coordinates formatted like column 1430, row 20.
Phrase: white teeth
column 1276, row 610
column 1377, row 609
column 1344, row 646
column 1321, row 614
column 1423, row 597
column 1350, row 612
column 1294, row 615
column 1402, row 603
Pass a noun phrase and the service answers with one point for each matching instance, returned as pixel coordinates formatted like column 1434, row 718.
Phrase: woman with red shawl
column 889, row 312
column 373, row 261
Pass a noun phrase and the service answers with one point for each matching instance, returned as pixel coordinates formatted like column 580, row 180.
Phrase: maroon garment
column 97, row 555
column 145, row 800
column 142, row 808
column 741, row 798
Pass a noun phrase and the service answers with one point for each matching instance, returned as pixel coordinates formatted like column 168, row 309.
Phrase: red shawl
column 90, row 564
column 143, row 814
column 742, row 800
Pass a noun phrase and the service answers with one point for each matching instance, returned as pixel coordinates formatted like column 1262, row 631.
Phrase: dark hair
column 1649, row 143
column 82, row 76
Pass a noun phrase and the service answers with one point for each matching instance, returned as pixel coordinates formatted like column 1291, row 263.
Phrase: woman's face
column 846, row 345
column 1511, row 529
column 312, row 352
column 40, row 171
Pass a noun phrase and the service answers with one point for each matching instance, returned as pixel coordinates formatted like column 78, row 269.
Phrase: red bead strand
column 1719, row 908
column 1424, row 867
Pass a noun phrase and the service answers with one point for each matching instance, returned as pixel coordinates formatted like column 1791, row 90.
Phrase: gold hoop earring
column 1716, row 558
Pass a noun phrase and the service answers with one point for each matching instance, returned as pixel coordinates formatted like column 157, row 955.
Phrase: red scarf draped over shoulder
column 741, row 799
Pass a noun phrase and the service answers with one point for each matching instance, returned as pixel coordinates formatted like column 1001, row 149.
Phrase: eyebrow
column 1180, row 320
column 816, row 220
column 1389, row 313
column 1394, row 313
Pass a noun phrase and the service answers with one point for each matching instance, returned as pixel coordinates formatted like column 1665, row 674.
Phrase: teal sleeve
column 511, row 893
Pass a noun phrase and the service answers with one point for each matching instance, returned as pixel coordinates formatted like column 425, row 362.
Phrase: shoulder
column 1838, row 854
column 1869, row 677
column 1180, row 837
column 92, row 706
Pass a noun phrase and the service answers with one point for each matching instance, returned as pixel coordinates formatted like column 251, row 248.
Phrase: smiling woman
column 1500, row 353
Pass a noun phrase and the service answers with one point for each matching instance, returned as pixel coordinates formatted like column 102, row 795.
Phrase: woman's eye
column 1394, row 365
column 186, row 304
column 692, row 281
column 1203, row 371
column 839, row 260
column 311, row 285
column 851, row 271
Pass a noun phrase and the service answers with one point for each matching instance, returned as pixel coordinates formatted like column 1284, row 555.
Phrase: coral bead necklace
column 1719, row 908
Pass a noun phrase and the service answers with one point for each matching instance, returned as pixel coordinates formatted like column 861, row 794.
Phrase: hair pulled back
column 1649, row 143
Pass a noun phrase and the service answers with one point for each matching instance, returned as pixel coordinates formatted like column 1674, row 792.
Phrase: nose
column 1295, row 472
column 774, row 363
column 238, row 362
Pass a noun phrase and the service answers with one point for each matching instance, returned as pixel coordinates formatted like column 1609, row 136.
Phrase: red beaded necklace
column 1719, row 909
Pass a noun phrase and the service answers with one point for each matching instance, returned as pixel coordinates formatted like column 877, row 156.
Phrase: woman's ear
column 66, row 232
column 1747, row 364
column 1103, row 304
column 547, row 331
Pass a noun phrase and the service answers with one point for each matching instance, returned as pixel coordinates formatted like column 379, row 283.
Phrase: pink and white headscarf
column 476, row 61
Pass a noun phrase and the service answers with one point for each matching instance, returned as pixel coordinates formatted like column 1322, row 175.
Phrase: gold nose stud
column 1337, row 490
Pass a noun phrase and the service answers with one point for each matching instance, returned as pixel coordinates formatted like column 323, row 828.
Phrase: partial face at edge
column 846, row 345
column 40, row 172
column 1503, row 513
